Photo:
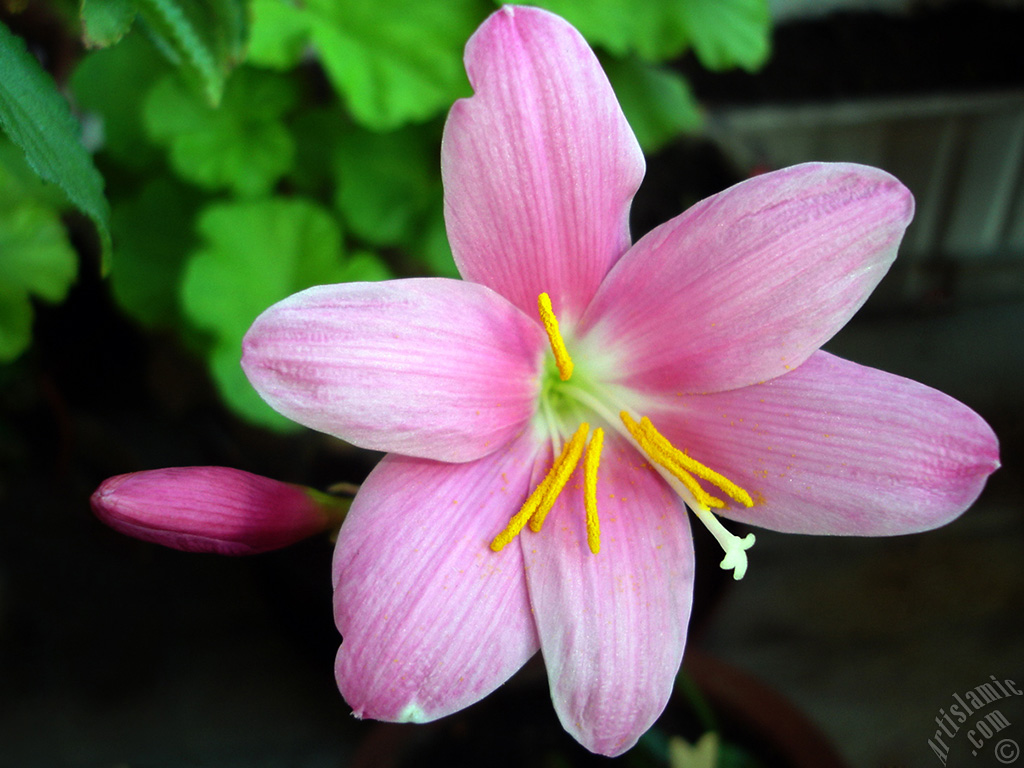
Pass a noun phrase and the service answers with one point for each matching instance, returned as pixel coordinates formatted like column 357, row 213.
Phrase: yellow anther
column 727, row 486
column 660, row 450
column 559, row 475
column 515, row 525
column 657, row 455
column 590, row 489
column 547, row 316
column 540, row 502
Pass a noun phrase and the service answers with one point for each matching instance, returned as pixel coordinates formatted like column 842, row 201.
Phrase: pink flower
column 696, row 361
column 213, row 509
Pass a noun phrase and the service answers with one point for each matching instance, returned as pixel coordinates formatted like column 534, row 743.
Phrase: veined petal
column 431, row 619
column 436, row 368
column 838, row 448
column 539, row 166
column 612, row 625
column 746, row 284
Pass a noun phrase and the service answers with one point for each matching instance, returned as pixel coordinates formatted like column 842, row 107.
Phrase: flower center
column 560, row 401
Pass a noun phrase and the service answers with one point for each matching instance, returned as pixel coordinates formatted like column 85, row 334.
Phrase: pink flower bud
column 214, row 509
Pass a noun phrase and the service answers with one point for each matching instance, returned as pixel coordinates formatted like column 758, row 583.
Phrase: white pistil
column 734, row 547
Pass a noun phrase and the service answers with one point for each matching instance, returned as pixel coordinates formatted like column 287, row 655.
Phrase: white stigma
column 734, row 547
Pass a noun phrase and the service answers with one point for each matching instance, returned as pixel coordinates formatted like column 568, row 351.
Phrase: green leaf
column 386, row 181
column 38, row 120
column 153, row 235
column 729, row 33
column 392, row 61
column 37, row 259
column 652, row 29
column 241, row 145
column 279, row 36
column 107, row 84
column 104, row 22
column 204, row 38
column 254, row 254
column 723, row 33
column 658, row 102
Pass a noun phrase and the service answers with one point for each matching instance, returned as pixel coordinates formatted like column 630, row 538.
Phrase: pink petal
column 612, row 625
column 436, row 368
column 838, row 448
column 431, row 619
column 746, row 284
column 539, row 166
column 213, row 509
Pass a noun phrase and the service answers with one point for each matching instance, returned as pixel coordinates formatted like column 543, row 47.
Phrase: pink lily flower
column 214, row 509
column 593, row 390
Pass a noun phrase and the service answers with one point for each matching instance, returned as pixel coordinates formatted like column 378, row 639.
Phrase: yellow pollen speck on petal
column 540, row 502
column 590, row 489
column 547, row 316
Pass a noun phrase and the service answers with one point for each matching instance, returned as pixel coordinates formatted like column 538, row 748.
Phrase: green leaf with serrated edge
column 107, row 84
column 652, row 29
column 394, row 61
column 253, row 255
column 19, row 181
column 279, row 35
column 153, row 236
column 241, row 145
column 386, row 181
column 657, row 102
column 37, row 119
column 729, row 33
column 104, row 22
column 204, row 38
column 35, row 258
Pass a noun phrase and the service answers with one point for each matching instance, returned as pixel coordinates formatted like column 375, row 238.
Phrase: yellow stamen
column 547, row 316
column 679, row 465
column 540, row 502
column 728, row 487
column 559, row 475
column 660, row 456
column 590, row 489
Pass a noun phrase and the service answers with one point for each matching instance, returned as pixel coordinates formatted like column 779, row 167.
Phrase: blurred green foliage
column 35, row 256
column 252, row 148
